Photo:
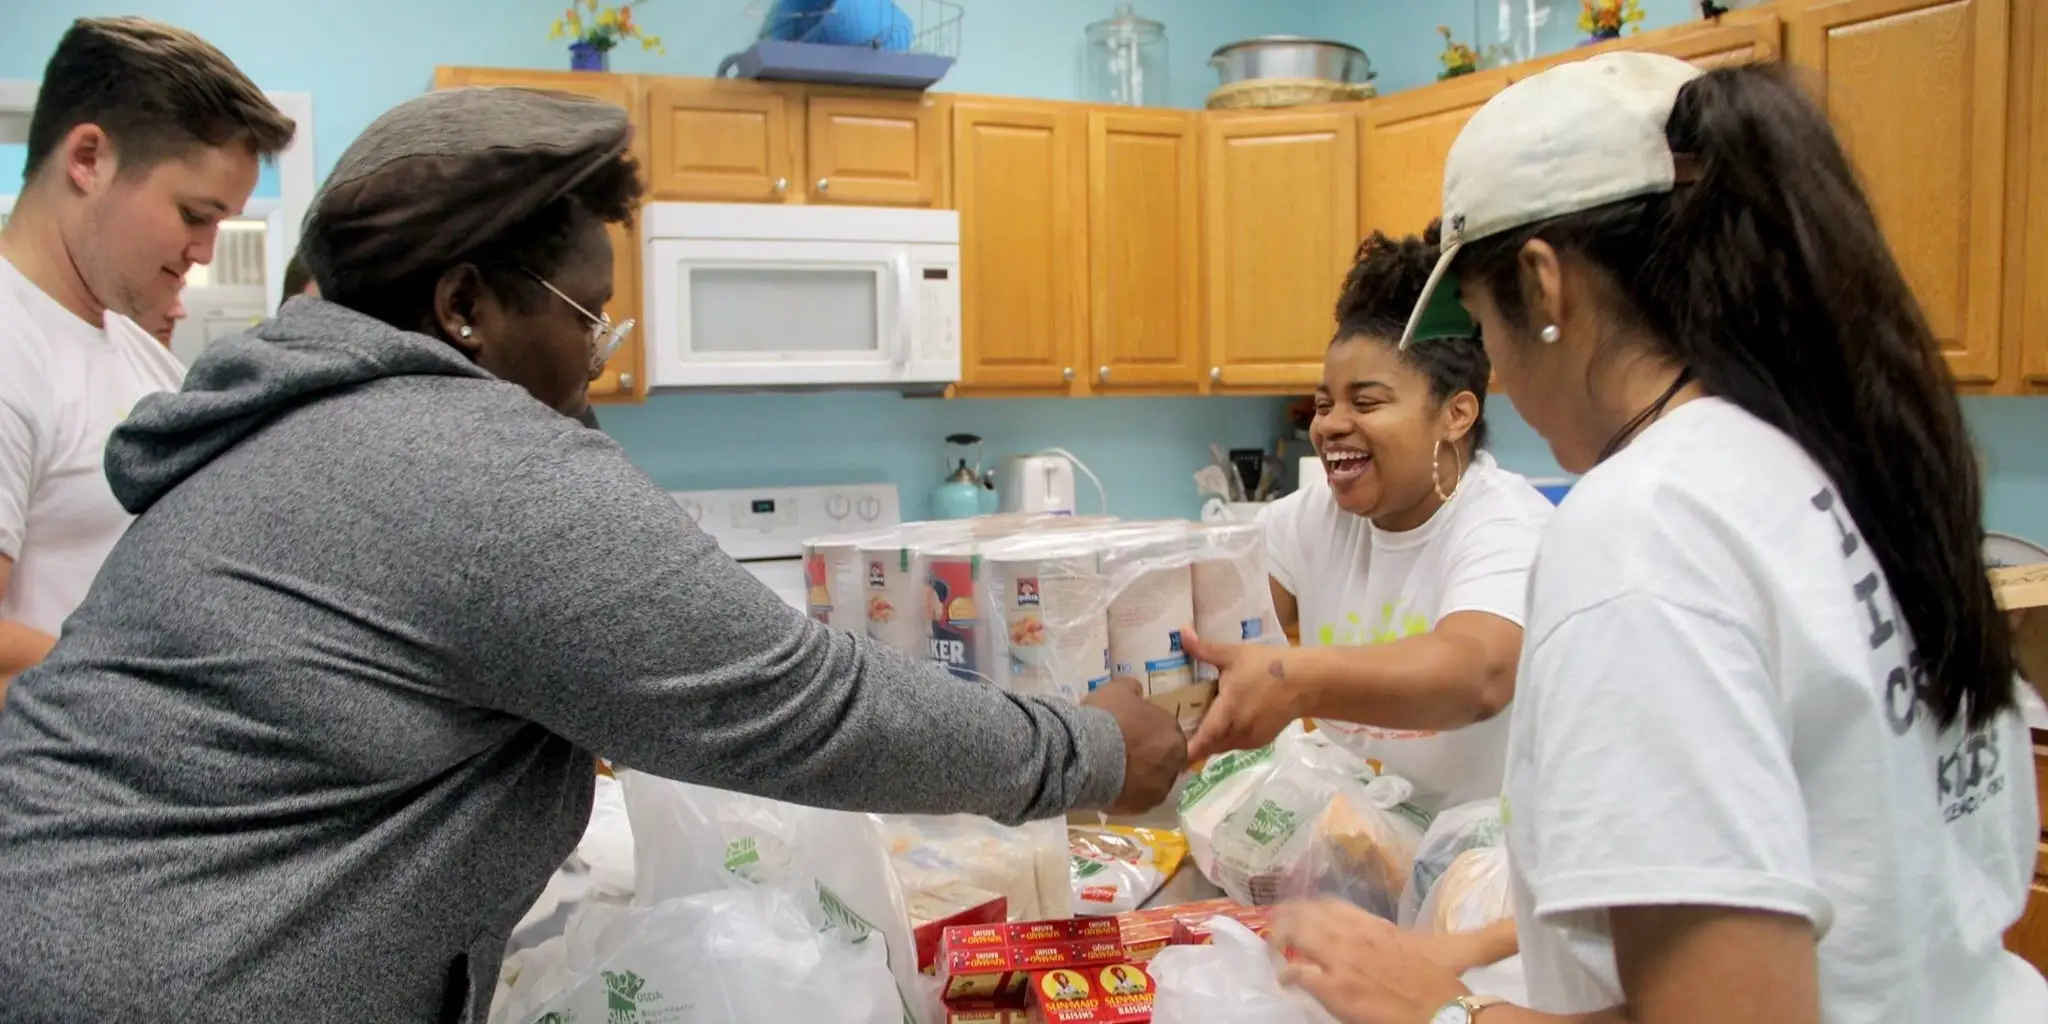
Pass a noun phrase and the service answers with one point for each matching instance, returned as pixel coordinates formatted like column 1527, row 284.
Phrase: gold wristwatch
column 1463, row 1010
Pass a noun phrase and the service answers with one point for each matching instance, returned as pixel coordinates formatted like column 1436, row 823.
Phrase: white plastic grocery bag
column 692, row 839
column 733, row 956
column 1322, row 823
column 1472, row 894
column 1470, row 826
column 1233, row 980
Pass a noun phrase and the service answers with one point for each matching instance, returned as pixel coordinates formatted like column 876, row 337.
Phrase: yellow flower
column 592, row 4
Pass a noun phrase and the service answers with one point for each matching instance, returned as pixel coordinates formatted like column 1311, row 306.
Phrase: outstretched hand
column 1254, row 698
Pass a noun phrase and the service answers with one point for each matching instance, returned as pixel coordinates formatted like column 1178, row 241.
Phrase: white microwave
column 744, row 295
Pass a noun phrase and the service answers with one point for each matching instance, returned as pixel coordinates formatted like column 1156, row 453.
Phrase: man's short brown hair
column 158, row 91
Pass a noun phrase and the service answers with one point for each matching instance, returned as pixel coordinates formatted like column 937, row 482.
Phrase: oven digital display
column 764, row 506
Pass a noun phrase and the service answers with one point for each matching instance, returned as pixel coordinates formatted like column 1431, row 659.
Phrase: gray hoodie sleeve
column 605, row 615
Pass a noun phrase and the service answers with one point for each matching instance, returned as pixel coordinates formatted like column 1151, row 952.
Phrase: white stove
column 765, row 528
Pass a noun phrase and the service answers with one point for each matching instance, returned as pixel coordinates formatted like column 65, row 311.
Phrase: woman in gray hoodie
column 326, row 722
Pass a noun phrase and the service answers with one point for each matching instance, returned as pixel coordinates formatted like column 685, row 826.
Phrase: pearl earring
column 1548, row 334
column 465, row 332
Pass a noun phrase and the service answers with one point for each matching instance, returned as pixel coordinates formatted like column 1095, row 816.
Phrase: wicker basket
column 1287, row 92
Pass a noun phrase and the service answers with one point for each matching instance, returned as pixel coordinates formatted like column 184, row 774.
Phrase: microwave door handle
column 906, row 309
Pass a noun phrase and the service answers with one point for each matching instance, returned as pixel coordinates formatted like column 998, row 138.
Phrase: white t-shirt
column 1356, row 585
column 64, row 385
column 1714, row 707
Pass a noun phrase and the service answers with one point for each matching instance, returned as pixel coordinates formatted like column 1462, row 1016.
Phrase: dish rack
column 907, row 44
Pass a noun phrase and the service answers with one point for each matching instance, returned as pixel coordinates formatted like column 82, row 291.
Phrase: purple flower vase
column 585, row 57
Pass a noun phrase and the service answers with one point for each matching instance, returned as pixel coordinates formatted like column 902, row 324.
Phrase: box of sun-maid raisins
column 987, row 1011
column 983, row 961
column 1116, row 994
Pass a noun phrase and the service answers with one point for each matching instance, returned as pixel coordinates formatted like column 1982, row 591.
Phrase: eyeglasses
column 605, row 336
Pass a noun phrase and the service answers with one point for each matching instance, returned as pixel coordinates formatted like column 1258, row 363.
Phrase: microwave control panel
column 938, row 314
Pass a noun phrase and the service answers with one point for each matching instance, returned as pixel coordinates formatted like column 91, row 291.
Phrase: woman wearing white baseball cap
column 1763, row 763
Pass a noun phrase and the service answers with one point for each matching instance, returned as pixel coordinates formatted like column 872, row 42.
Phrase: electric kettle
column 966, row 491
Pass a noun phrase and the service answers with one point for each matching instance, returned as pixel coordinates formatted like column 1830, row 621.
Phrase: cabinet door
column 1281, row 214
column 2029, row 192
column 1017, row 173
column 1406, row 139
column 1917, row 91
column 1144, row 250
column 873, row 152
column 624, row 377
column 720, row 141
column 2028, row 938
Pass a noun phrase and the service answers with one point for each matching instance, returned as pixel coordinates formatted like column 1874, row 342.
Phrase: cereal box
column 1115, row 994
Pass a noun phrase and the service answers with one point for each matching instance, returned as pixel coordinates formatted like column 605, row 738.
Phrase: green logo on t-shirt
column 1393, row 624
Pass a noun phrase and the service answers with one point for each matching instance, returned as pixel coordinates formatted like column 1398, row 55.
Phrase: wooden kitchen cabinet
column 624, row 377
column 1019, row 170
column 765, row 142
column 874, row 151
column 1280, row 218
column 1744, row 39
column 2027, row 187
column 1144, row 250
column 2029, row 937
column 1403, row 145
column 721, row 141
column 1917, row 90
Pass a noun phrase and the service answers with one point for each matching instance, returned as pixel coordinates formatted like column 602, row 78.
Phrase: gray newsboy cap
column 444, row 172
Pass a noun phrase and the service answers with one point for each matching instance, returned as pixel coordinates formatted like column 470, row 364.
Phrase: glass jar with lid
column 1126, row 60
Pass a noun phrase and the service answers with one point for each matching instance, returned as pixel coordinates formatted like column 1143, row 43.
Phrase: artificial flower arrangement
column 593, row 29
column 1460, row 58
column 1604, row 19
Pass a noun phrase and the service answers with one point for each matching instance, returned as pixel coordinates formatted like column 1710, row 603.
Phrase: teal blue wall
column 358, row 58
column 1401, row 38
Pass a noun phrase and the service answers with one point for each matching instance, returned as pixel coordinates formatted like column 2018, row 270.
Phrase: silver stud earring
column 465, row 332
column 1548, row 334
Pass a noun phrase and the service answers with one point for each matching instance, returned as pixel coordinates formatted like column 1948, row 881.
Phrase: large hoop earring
column 1436, row 479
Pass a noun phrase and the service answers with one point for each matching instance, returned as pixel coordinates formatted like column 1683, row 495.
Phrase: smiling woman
column 1405, row 574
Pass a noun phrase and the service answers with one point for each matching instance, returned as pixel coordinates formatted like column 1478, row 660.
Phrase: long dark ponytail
column 1768, row 278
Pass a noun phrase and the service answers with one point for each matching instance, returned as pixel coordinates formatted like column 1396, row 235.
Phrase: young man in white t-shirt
column 1766, row 762
column 1403, row 565
column 144, row 138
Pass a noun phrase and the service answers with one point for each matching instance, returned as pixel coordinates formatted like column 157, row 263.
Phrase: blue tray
column 839, row 65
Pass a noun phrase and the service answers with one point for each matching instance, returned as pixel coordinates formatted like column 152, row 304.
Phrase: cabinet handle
column 1068, row 373
column 625, row 382
column 781, row 185
column 1102, row 375
column 824, row 184
column 1215, row 374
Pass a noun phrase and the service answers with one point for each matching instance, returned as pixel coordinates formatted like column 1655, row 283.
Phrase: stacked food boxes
column 1087, row 970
